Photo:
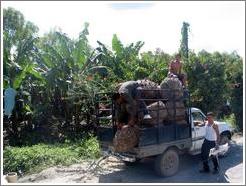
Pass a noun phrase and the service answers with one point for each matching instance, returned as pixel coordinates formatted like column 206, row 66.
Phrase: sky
column 214, row 25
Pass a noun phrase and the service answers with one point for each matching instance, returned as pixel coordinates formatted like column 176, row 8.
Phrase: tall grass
column 37, row 157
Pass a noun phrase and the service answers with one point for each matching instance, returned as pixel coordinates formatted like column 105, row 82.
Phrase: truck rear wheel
column 129, row 163
column 167, row 163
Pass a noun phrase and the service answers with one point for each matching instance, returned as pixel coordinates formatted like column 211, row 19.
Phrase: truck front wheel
column 224, row 138
column 167, row 163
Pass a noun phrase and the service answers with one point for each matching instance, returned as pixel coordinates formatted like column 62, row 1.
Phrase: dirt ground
column 112, row 170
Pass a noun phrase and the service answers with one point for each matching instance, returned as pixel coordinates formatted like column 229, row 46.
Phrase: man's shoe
column 204, row 171
column 147, row 116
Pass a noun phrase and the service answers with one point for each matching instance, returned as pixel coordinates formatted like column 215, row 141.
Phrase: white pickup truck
column 163, row 142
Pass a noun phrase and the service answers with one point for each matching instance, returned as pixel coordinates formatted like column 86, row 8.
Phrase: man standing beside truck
column 211, row 140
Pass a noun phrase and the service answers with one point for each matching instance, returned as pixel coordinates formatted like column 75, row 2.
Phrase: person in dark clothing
column 121, row 115
column 127, row 95
column 211, row 140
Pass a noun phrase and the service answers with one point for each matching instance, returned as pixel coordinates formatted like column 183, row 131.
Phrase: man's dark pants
column 206, row 146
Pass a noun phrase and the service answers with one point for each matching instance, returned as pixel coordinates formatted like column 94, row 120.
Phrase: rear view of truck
column 162, row 139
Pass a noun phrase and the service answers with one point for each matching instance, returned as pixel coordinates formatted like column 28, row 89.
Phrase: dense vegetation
column 40, row 156
column 56, row 79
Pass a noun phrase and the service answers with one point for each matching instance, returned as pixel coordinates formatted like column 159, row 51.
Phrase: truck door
column 199, row 129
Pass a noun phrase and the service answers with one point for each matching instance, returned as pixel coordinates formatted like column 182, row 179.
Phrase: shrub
column 37, row 157
column 231, row 119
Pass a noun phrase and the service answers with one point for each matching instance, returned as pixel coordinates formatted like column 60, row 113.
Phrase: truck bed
column 152, row 140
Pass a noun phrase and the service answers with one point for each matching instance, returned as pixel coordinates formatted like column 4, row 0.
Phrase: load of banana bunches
column 144, row 103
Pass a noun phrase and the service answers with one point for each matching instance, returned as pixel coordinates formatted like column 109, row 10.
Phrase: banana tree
column 122, row 60
column 67, row 64
column 19, row 63
column 19, row 38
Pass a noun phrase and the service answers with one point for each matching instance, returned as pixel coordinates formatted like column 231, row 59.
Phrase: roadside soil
column 112, row 170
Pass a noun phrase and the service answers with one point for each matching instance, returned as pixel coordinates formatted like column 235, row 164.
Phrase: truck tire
column 224, row 138
column 129, row 163
column 167, row 163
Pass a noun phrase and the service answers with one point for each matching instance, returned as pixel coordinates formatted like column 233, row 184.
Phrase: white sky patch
column 215, row 26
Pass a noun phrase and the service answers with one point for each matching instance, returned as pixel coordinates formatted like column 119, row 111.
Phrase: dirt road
column 112, row 170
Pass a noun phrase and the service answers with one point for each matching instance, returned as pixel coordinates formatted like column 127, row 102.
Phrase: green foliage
column 19, row 47
column 231, row 119
column 140, row 73
column 206, row 78
column 117, row 45
column 57, row 79
column 213, row 80
column 88, row 148
column 122, row 60
column 41, row 65
column 37, row 157
column 62, row 76
column 156, row 64
column 184, row 48
column 234, row 79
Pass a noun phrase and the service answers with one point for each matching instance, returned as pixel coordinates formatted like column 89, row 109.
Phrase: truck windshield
column 198, row 119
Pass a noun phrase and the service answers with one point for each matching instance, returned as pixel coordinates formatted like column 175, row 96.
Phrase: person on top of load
column 175, row 68
column 126, row 97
